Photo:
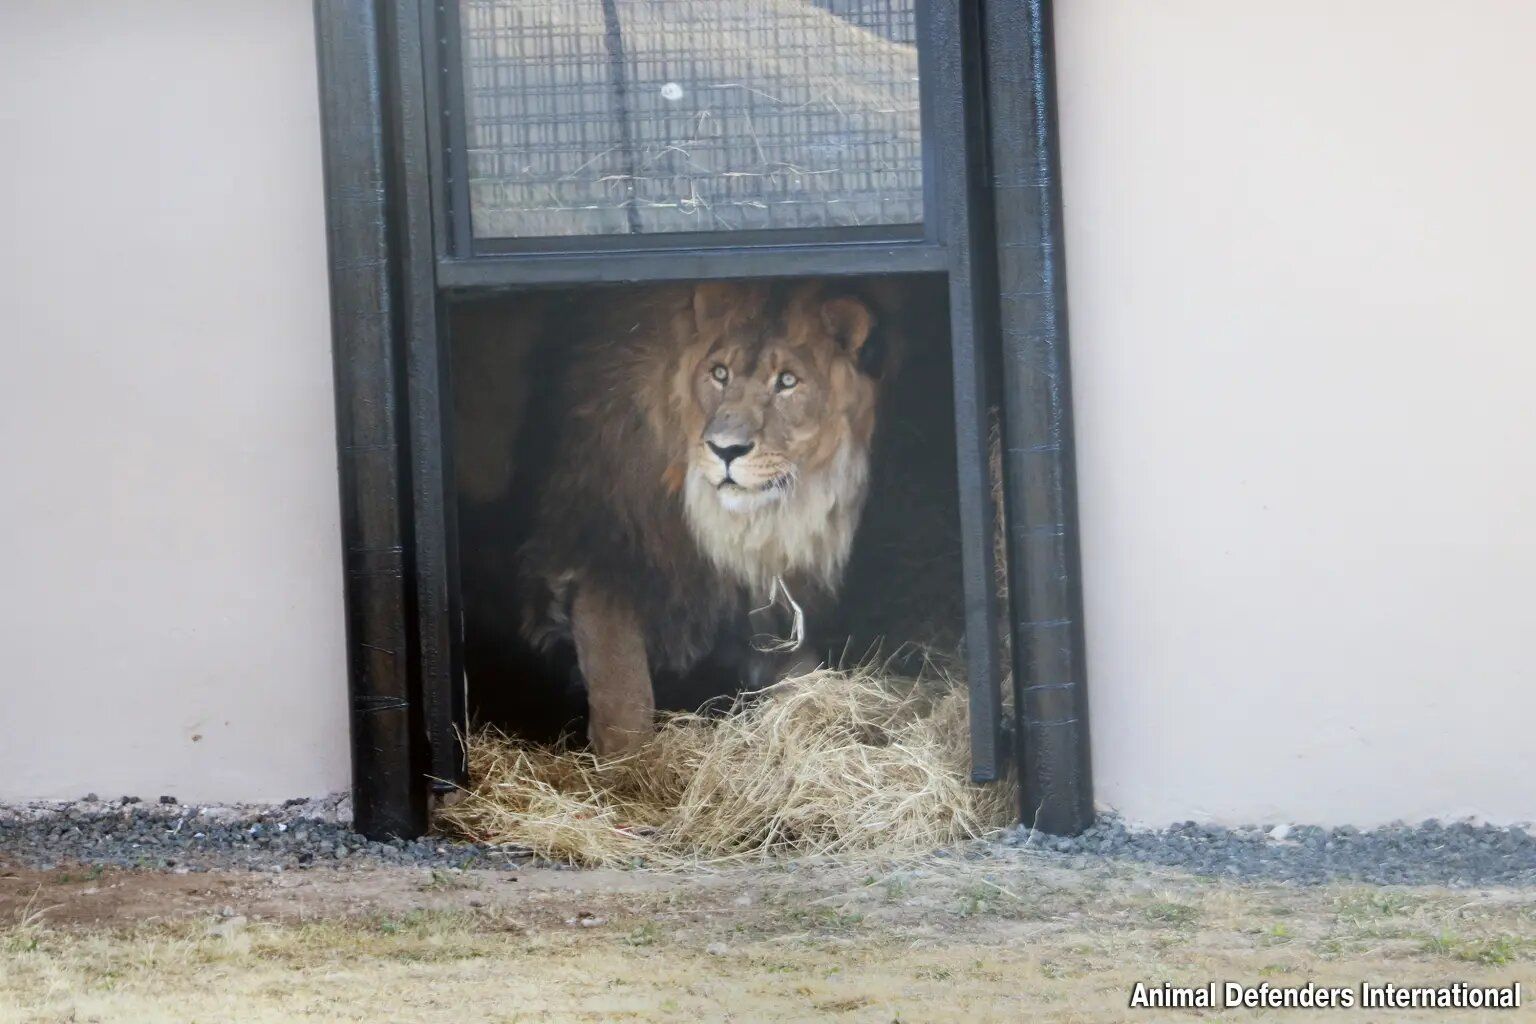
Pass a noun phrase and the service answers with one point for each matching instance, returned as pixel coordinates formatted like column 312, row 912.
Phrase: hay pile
column 832, row 762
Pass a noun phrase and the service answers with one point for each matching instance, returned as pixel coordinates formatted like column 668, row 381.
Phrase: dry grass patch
column 447, row 966
column 832, row 762
column 940, row 939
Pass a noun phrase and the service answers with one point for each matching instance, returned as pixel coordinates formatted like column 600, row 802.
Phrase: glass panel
column 612, row 117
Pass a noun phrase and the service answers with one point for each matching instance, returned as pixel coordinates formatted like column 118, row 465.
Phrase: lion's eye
column 720, row 373
column 787, row 380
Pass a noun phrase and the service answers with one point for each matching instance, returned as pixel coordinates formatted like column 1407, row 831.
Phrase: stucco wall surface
column 1301, row 271
column 170, row 606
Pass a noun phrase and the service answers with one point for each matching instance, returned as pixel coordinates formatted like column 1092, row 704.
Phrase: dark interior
column 901, row 596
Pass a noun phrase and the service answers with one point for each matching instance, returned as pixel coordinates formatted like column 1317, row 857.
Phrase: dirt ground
column 938, row 940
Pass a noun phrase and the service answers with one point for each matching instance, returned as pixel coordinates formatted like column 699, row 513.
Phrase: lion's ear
column 852, row 323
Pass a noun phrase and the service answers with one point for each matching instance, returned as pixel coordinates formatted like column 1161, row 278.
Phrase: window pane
column 612, row 117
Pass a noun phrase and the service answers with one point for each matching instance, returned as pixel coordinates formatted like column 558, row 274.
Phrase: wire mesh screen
column 607, row 117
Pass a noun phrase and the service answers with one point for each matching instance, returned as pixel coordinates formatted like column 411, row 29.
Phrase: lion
column 713, row 462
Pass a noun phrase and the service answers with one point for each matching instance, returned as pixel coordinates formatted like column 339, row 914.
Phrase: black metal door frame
column 398, row 242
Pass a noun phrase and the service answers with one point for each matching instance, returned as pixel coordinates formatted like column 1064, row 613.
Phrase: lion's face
column 779, row 389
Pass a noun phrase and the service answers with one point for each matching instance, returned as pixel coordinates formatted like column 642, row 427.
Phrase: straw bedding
column 832, row 762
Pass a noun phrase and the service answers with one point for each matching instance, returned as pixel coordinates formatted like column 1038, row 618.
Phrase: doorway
column 574, row 145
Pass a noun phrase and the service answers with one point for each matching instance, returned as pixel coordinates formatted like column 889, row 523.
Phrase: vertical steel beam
column 953, row 70
column 1044, row 575
column 434, row 561
column 388, row 796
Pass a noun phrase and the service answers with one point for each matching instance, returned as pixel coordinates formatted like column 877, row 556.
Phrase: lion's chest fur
column 808, row 532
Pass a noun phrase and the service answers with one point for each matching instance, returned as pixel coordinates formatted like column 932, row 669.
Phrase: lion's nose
column 727, row 453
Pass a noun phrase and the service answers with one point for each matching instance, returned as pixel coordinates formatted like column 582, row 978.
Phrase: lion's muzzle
column 729, row 453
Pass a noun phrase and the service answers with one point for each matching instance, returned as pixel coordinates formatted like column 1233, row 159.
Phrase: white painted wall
column 1302, row 255
column 170, row 603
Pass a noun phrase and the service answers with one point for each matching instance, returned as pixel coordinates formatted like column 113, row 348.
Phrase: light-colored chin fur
column 744, row 502
column 807, row 527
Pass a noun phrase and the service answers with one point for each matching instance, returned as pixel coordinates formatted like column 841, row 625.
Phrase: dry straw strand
column 834, row 762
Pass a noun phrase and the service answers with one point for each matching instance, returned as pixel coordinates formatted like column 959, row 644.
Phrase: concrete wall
column 170, row 608
column 1301, row 269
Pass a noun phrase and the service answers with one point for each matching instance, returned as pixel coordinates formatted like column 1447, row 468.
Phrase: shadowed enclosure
column 901, row 590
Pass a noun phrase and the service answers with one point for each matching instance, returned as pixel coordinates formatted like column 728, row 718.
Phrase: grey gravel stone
column 315, row 835
column 183, row 838
column 1432, row 853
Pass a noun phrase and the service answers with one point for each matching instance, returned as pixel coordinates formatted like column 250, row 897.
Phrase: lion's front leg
column 610, row 649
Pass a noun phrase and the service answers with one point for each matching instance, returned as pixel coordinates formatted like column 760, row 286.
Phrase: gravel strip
column 1460, row 854
column 302, row 834
column 167, row 835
